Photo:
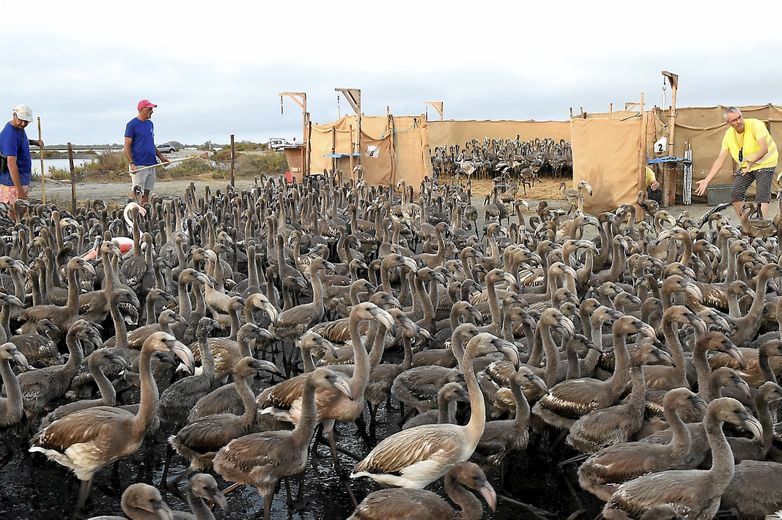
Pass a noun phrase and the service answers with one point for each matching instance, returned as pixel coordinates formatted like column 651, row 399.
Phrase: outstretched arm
column 701, row 189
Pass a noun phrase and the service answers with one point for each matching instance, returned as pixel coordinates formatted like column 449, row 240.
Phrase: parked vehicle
column 278, row 143
column 167, row 148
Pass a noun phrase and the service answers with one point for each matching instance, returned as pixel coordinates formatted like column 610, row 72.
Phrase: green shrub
column 187, row 169
column 59, row 174
column 271, row 164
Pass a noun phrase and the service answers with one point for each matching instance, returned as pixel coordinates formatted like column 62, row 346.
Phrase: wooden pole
column 674, row 81
column 642, row 153
column 300, row 98
column 233, row 160
column 73, row 178
column 351, row 150
column 333, row 149
column 43, row 172
column 309, row 150
column 353, row 95
column 392, row 127
column 669, row 192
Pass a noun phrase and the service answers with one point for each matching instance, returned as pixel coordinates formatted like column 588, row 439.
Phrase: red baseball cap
column 145, row 103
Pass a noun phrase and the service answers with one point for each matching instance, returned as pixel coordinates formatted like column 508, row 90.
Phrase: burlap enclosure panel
column 606, row 155
column 445, row 133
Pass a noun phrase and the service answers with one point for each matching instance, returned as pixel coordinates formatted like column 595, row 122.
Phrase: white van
column 278, row 143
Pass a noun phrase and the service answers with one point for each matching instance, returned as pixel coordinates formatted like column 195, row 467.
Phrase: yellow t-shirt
column 754, row 131
column 650, row 177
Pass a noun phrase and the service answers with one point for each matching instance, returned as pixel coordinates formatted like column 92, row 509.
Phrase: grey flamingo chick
column 97, row 362
column 757, row 449
column 11, row 407
column 602, row 473
column 202, row 487
column 502, row 437
column 62, row 317
column 602, row 428
column 141, row 502
column 447, row 397
column 420, row 504
column 225, row 398
column 417, row 387
column 754, row 493
column 88, row 440
column 38, row 347
column 416, row 457
column 144, row 502
column 199, row 441
column 573, row 398
column 262, row 459
column 693, row 493
column 177, row 400
column 382, row 376
column 40, row 387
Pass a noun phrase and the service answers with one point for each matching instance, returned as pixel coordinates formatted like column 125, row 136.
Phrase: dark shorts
column 763, row 188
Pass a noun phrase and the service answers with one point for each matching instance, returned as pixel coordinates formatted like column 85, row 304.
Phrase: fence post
column 43, row 176
column 73, row 178
column 233, row 160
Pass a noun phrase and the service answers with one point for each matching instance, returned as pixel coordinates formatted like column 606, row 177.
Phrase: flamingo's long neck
column 474, row 428
column 13, row 391
column 149, row 397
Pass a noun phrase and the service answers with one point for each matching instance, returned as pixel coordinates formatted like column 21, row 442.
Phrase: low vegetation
column 251, row 160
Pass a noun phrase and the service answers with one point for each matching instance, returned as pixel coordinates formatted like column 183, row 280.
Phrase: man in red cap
column 140, row 150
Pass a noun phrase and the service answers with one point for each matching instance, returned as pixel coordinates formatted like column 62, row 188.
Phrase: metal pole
column 73, row 178
column 40, row 151
column 233, row 160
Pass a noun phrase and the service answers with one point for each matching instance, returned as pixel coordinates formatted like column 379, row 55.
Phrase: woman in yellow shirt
column 750, row 145
column 653, row 190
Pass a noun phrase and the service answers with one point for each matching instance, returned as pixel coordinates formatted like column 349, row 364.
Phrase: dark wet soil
column 32, row 487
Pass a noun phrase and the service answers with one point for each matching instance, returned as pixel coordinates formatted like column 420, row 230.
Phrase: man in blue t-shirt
column 140, row 150
column 15, row 150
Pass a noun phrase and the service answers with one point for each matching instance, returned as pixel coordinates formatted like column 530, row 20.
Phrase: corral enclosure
column 609, row 149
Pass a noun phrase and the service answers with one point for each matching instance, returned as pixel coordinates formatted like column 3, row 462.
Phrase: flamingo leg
column 84, row 491
column 267, row 506
column 338, row 468
column 164, row 476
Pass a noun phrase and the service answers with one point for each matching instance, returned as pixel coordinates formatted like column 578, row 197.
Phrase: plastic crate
column 718, row 193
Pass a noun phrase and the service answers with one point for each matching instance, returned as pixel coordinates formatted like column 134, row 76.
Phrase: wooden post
column 392, row 148
column 333, row 149
column 438, row 106
column 300, row 98
column 610, row 108
column 73, row 178
column 43, row 176
column 233, row 160
column 353, row 95
column 670, row 169
column 307, row 164
column 642, row 153
column 351, row 151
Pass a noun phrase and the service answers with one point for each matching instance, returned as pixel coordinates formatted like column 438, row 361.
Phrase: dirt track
column 60, row 192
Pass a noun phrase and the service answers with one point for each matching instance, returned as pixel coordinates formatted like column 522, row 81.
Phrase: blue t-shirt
column 13, row 143
column 143, row 147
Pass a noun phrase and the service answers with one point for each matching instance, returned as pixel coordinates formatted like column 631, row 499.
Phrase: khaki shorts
column 144, row 178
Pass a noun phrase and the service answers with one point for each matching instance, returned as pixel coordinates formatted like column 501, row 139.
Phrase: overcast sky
column 216, row 68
